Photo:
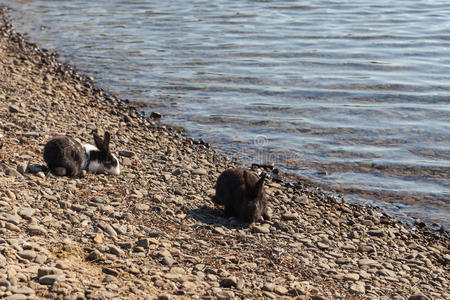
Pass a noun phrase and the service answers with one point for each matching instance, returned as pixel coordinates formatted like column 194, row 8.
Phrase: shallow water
column 352, row 95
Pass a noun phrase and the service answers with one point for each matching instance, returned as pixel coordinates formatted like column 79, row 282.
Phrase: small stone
column 110, row 271
column 176, row 172
column 142, row 207
column 13, row 109
column 164, row 297
column 51, row 279
column 126, row 161
column 144, row 243
column 270, row 295
column 378, row 232
column 358, row 287
column 44, row 271
column 36, row 230
column 351, row 276
column 26, row 212
column 167, row 260
column 78, row 207
column 218, row 230
column 189, row 285
column 99, row 238
column 11, row 226
column 116, row 250
column 128, row 154
column 290, row 216
column 28, row 254
column 280, row 290
column 200, row 171
column 155, row 115
column 13, row 173
column 109, row 230
column 22, row 290
column 368, row 262
column 94, row 255
column 11, row 195
column 14, row 219
column 16, row 297
column 322, row 246
column 40, row 259
column 265, row 228
column 22, row 167
column 418, row 297
column 33, row 134
column 125, row 245
column 228, row 282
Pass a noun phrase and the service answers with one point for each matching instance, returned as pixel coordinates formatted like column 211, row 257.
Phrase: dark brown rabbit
column 242, row 194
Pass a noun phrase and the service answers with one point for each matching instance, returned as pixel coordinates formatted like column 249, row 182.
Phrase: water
column 350, row 94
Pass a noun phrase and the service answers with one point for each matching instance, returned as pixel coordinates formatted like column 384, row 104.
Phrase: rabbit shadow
column 36, row 168
column 214, row 216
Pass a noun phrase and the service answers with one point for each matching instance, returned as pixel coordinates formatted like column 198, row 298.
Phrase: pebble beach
column 153, row 232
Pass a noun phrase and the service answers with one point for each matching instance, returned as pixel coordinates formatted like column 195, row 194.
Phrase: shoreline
column 153, row 231
column 428, row 206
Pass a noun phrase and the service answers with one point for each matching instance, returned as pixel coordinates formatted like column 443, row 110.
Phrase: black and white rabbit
column 242, row 194
column 67, row 157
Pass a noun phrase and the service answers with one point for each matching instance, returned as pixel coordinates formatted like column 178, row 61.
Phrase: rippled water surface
column 350, row 94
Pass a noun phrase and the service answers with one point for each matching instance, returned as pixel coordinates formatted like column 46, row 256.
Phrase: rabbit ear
column 260, row 183
column 98, row 141
column 106, row 141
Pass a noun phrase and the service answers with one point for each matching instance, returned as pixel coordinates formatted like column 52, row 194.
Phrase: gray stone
column 17, row 297
column 33, row 134
column 51, row 279
column 126, row 154
column 22, row 290
column 36, row 230
column 367, row 262
column 418, row 297
column 78, row 207
column 167, row 260
column 22, row 167
column 13, row 109
column 110, row 271
column 13, row 173
column 228, row 282
column 94, row 255
column 28, row 254
column 280, row 290
column 144, row 243
column 351, row 276
column 265, row 228
column 44, row 271
column 109, row 230
column 377, row 232
column 322, row 246
column 289, row 216
column 26, row 212
column 358, row 287
column 116, row 250
column 14, row 219
column 200, row 171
